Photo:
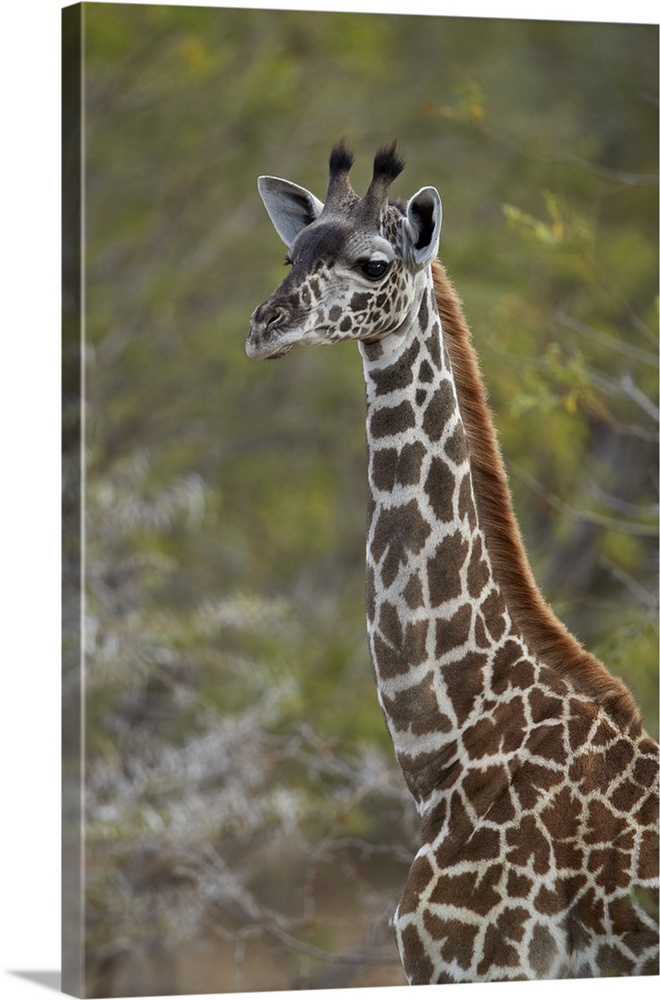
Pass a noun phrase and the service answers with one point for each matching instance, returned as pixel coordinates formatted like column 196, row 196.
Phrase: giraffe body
column 534, row 780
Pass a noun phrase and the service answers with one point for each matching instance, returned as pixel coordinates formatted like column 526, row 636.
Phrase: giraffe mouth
column 278, row 354
column 257, row 350
column 269, row 336
column 273, row 334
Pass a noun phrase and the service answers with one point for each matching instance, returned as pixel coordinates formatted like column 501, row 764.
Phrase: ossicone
column 340, row 192
column 388, row 164
column 341, row 158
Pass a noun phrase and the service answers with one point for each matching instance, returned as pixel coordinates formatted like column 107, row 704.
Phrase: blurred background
column 247, row 827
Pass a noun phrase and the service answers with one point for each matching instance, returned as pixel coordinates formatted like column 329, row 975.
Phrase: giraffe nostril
column 274, row 320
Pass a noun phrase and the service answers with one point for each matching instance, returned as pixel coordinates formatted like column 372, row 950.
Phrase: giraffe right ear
column 291, row 208
column 423, row 221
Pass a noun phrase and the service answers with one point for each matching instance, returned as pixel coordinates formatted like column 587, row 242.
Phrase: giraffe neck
column 452, row 607
column 435, row 614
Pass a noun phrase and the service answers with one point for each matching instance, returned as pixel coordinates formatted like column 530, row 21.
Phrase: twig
column 579, row 516
column 646, row 597
column 606, row 340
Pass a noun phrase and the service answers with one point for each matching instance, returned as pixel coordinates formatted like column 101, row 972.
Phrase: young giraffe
column 534, row 780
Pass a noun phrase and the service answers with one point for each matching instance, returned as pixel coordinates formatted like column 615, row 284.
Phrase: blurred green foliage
column 225, row 500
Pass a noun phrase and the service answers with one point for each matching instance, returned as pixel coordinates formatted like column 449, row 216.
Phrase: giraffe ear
column 423, row 221
column 290, row 207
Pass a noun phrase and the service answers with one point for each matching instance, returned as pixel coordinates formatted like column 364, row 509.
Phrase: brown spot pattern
column 443, row 569
column 539, row 809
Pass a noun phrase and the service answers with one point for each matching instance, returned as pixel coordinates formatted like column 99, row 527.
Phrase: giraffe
column 534, row 780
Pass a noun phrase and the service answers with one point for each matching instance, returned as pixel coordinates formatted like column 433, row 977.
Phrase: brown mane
column 547, row 637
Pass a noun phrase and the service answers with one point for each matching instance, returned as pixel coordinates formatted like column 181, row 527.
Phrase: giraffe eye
column 374, row 269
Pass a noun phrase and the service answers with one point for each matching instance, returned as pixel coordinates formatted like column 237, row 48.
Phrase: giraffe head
column 354, row 261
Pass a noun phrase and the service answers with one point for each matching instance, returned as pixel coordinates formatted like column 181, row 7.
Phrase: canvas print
column 360, row 644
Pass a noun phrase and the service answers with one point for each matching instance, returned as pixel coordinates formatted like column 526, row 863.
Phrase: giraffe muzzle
column 267, row 326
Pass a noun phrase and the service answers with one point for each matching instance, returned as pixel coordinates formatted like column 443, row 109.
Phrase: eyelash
column 364, row 267
column 381, row 266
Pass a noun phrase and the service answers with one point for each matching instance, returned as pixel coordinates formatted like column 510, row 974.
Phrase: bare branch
column 637, row 396
column 606, row 340
column 619, row 506
column 580, row 516
column 647, row 598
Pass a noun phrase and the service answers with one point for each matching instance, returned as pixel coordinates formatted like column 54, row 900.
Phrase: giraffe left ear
column 423, row 221
column 290, row 206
